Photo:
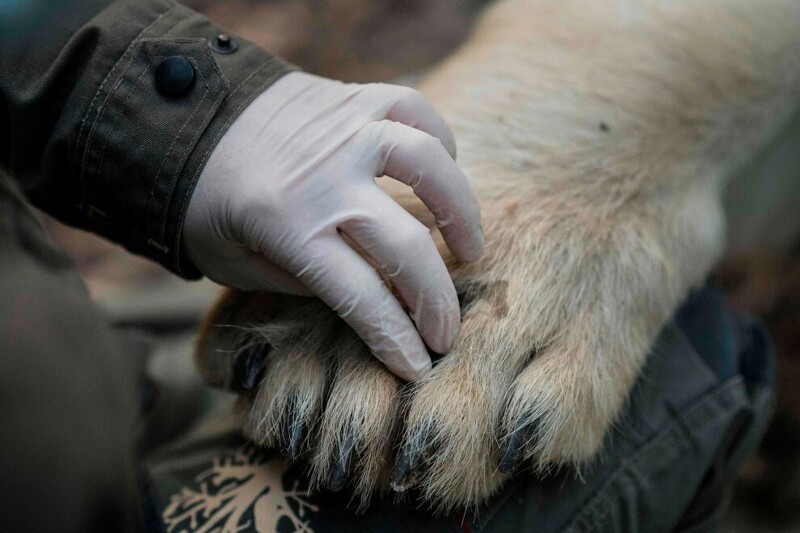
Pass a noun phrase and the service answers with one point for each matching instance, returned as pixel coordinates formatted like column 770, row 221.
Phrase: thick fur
column 599, row 136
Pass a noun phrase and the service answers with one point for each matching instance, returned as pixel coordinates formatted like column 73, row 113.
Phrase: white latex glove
column 298, row 167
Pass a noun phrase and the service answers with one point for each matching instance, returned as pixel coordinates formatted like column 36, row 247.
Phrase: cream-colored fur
column 598, row 135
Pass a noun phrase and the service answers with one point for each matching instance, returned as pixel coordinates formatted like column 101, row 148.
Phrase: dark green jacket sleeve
column 87, row 128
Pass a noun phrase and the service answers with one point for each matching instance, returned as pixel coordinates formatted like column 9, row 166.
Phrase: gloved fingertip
column 478, row 246
column 475, row 249
column 444, row 339
column 414, row 368
column 440, row 346
column 421, row 372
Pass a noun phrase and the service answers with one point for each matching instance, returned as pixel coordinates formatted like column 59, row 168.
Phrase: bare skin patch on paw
column 493, row 294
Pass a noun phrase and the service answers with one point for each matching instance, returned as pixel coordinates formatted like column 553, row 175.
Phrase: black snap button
column 174, row 76
column 223, row 44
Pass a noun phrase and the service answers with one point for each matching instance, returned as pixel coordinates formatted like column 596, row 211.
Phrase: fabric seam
column 201, row 163
column 189, row 144
column 91, row 107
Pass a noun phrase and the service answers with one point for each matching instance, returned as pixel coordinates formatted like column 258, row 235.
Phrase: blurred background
column 397, row 40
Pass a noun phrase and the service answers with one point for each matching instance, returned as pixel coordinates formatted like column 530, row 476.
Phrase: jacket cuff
column 154, row 121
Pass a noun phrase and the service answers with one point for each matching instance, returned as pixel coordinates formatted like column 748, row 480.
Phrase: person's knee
column 67, row 405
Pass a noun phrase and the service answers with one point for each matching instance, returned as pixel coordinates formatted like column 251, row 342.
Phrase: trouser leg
column 67, row 392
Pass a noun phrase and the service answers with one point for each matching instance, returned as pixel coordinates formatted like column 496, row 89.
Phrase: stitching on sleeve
column 103, row 84
column 201, row 164
column 222, row 130
column 127, row 96
column 158, row 246
column 215, row 66
column 235, row 114
column 114, row 123
column 163, row 230
column 102, row 107
column 172, row 145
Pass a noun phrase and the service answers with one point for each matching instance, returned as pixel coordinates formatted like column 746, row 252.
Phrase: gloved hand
column 297, row 168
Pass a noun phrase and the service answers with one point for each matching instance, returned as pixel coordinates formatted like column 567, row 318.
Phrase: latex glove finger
column 413, row 109
column 351, row 287
column 406, row 253
column 421, row 162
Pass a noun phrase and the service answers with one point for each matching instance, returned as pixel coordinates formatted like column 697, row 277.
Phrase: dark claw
column 405, row 471
column 292, row 436
column 340, row 470
column 401, row 471
column 249, row 366
column 514, row 446
column 513, row 449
